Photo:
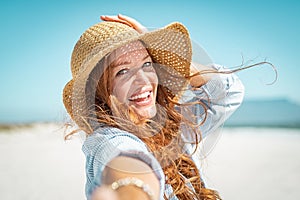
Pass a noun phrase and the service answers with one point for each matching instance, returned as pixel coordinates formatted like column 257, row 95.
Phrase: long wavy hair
column 162, row 133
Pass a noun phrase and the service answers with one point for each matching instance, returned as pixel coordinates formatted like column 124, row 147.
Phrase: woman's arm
column 127, row 168
column 221, row 94
column 112, row 155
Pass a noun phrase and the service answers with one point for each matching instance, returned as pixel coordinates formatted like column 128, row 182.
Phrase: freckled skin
column 134, row 80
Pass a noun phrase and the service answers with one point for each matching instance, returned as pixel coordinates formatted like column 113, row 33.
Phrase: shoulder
column 110, row 139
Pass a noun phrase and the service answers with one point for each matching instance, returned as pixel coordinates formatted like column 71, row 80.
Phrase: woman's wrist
column 132, row 181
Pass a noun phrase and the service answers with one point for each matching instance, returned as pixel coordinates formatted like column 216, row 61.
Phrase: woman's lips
column 142, row 99
column 140, row 96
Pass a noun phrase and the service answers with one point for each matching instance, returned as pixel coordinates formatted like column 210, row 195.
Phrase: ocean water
column 267, row 113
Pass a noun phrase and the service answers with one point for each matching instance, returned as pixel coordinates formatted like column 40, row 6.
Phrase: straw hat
column 170, row 47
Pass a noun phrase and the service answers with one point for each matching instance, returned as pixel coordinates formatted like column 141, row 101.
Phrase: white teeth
column 143, row 95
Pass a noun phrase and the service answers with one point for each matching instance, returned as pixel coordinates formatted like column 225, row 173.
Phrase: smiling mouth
column 145, row 96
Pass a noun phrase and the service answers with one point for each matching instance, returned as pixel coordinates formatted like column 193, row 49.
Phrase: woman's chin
column 146, row 113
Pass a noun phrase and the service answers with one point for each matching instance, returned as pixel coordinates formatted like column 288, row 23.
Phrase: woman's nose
column 141, row 77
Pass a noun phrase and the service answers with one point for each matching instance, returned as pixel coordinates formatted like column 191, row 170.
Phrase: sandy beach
column 260, row 164
column 37, row 164
column 247, row 163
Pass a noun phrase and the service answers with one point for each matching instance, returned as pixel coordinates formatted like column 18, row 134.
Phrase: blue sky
column 37, row 38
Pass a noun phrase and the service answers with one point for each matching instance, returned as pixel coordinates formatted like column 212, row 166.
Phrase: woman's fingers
column 114, row 19
column 135, row 24
column 125, row 20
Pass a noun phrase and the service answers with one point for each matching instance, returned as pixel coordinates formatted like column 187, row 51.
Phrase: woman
column 145, row 107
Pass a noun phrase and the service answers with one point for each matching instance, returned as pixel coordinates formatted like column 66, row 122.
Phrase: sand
column 256, row 164
column 247, row 163
column 37, row 164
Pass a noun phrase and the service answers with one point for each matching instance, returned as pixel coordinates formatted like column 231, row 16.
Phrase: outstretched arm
column 113, row 156
column 127, row 168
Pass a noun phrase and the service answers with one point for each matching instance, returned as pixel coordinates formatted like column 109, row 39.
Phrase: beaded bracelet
column 135, row 182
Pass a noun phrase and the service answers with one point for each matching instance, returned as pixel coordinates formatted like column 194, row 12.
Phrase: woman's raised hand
column 125, row 20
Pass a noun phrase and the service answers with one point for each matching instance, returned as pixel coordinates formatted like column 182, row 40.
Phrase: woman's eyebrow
column 119, row 62
column 146, row 57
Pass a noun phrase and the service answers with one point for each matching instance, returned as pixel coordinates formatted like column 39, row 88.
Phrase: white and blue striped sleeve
column 221, row 95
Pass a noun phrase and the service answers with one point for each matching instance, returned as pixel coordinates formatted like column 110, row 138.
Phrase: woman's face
column 133, row 79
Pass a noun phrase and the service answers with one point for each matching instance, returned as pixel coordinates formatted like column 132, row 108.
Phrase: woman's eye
column 122, row 72
column 147, row 64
